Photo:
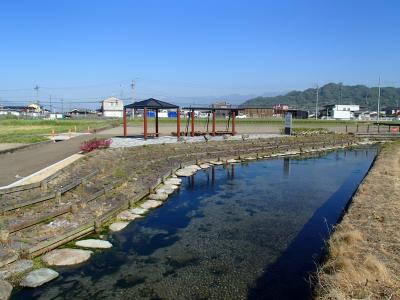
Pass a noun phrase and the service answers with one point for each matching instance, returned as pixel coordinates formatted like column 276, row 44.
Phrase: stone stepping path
column 138, row 211
column 66, row 257
column 118, row 226
column 39, row 277
column 205, row 166
column 127, row 215
column 161, row 196
column 185, row 172
column 250, row 158
column 151, row 204
column 173, row 181
column 94, row 243
column 168, row 190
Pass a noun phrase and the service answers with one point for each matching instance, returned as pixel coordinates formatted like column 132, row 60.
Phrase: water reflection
column 232, row 232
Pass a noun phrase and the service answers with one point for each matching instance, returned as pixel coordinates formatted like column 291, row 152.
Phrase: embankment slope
column 363, row 260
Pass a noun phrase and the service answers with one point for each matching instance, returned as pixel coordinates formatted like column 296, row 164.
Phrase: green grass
column 13, row 130
column 139, row 121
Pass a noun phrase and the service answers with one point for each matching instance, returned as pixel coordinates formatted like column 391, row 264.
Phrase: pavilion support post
column 125, row 127
column 213, row 122
column 178, row 123
column 145, row 123
column 157, row 134
column 233, row 123
column 192, row 134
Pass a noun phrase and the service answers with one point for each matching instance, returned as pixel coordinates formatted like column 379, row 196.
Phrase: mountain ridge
column 332, row 93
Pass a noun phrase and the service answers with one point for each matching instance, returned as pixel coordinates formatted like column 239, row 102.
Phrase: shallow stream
column 244, row 231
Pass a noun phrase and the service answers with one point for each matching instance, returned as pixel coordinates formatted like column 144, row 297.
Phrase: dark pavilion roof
column 151, row 104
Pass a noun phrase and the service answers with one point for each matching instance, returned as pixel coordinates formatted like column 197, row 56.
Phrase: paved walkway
column 24, row 162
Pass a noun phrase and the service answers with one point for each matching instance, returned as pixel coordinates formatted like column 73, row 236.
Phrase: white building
column 342, row 111
column 112, row 107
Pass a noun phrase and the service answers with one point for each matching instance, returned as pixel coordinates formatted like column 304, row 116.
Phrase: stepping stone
column 66, row 257
column 5, row 290
column 151, row 204
column 157, row 196
column 171, row 186
column 217, row 163
column 127, row 215
column 39, row 277
column 185, row 172
column 175, row 181
column 250, row 158
column 204, row 166
column 118, row 226
column 93, row 243
column 163, row 190
column 193, row 167
column 16, row 268
column 138, row 211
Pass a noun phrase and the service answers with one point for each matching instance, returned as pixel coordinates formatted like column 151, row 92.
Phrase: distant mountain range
column 332, row 93
column 235, row 99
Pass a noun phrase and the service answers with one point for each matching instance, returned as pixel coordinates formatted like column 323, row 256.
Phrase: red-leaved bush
column 93, row 144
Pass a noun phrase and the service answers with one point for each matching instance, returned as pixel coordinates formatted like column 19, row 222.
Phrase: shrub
column 93, row 144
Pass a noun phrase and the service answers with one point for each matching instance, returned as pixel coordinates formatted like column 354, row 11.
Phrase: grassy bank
column 363, row 252
column 35, row 130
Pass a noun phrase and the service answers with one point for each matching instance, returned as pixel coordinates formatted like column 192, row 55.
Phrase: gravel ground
column 132, row 142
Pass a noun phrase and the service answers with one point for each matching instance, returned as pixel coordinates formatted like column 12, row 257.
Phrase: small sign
column 288, row 123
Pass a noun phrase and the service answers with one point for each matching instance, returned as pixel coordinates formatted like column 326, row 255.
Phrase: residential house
column 112, row 107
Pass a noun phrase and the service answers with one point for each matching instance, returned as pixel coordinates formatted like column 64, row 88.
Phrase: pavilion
column 232, row 112
column 154, row 105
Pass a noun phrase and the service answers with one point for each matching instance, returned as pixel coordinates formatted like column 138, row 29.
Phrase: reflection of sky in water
column 250, row 231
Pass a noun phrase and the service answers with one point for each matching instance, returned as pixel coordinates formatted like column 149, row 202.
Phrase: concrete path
column 24, row 162
column 10, row 146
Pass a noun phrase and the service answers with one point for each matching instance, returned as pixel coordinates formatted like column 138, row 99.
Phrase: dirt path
column 363, row 253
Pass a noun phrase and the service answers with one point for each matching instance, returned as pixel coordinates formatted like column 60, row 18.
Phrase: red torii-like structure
column 156, row 105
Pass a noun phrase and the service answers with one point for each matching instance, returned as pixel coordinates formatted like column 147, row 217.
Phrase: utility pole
column 62, row 106
column 340, row 99
column 36, row 88
column 379, row 97
column 316, row 104
column 51, row 106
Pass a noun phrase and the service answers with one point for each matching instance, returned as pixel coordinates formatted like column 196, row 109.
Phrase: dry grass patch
column 363, row 260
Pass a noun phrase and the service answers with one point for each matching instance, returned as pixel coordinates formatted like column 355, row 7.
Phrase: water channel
column 244, row 231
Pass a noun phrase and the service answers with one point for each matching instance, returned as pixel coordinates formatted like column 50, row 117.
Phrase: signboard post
column 288, row 123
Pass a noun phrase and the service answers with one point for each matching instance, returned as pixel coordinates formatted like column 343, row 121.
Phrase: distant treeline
column 332, row 93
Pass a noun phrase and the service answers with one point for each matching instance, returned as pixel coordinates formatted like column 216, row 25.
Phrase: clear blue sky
column 88, row 49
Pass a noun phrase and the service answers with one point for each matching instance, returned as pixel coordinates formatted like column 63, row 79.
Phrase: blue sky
column 88, row 49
